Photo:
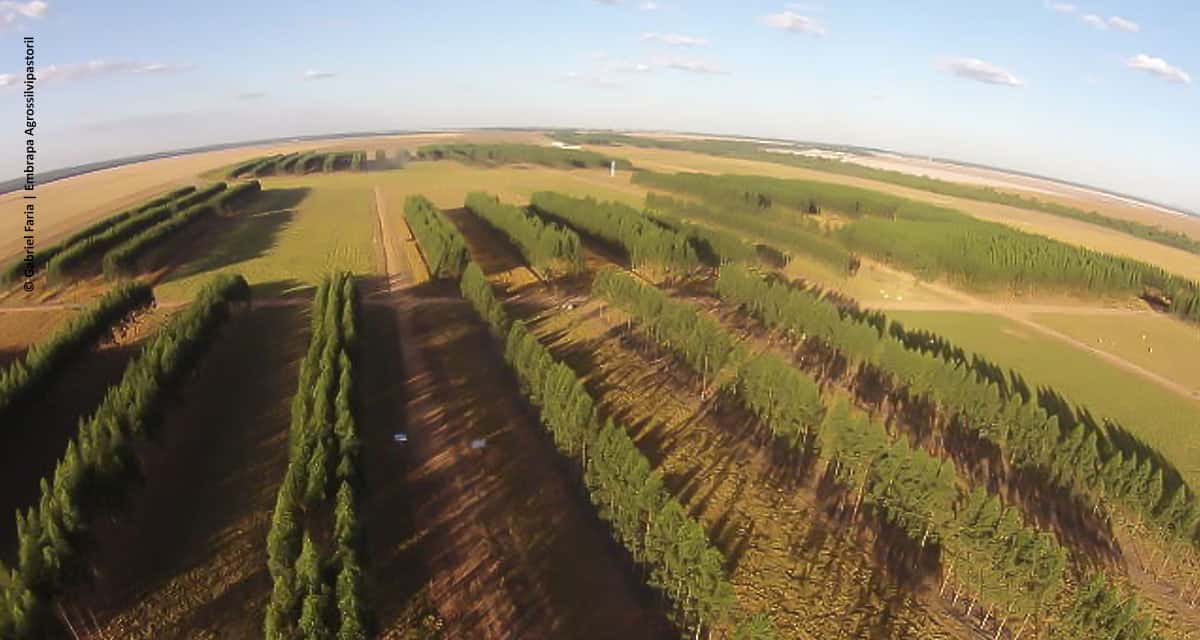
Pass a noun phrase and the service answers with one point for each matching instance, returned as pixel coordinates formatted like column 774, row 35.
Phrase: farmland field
column 357, row 406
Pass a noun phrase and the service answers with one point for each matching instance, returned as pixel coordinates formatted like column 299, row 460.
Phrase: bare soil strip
column 513, row 550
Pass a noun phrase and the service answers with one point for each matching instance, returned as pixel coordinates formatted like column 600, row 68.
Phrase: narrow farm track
column 510, row 548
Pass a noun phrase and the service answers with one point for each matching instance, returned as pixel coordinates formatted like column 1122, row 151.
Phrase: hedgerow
column 100, row 461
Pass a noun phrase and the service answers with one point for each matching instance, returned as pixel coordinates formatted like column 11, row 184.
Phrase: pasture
column 1165, row 346
column 1163, row 419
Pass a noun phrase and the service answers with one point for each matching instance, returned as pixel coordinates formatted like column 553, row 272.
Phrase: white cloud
column 648, row 6
column 93, row 68
column 8, row 79
column 1096, row 21
column 978, row 70
column 314, row 74
column 675, row 39
column 629, row 67
column 1159, row 67
column 690, row 65
column 596, row 80
column 1061, row 7
column 251, row 95
column 11, row 12
column 792, row 21
column 1124, row 24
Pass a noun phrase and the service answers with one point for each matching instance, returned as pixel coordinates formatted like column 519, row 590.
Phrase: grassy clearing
column 1154, row 342
column 298, row 230
column 1163, row 419
column 189, row 558
column 21, row 329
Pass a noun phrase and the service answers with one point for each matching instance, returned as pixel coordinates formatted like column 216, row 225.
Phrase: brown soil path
column 511, row 549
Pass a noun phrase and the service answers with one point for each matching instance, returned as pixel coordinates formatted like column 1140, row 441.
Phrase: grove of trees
column 757, row 151
column 546, row 246
column 1070, row 453
column 650, row 523
column 317, row 592
column 648, row 243
column 44, row 361
column 96, row 238
column 804, row 237
column 937, row 242
column 496, row 154
column 443, row 247
column 122, row 259
column 100, row 460
column 1014, row 568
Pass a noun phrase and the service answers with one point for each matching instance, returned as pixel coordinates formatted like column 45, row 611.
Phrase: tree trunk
column 1021, row 629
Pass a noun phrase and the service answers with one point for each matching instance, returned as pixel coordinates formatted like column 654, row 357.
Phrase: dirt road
column 511, row 550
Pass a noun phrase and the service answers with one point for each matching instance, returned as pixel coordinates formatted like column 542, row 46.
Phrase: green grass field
column 297, row 231
column 1155, row 342
column 1165, row 420
column 305, row 226
column 447, row 183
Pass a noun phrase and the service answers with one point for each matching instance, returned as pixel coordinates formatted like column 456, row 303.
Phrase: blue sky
column 1104, row 92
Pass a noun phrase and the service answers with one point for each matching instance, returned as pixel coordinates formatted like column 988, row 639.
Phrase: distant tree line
column 300, row 162
column 16, row 270
column 122, row 260
column 318, row 593
column 100, row 461
column 651, row 524
column 546, row 246
column 93, row 247
column 1094, row 464
column 804, row 238
column 46, row 360
column 496, row 154
column 936, row 242
column 756, row 151
column 647, row 243
column 443, row 247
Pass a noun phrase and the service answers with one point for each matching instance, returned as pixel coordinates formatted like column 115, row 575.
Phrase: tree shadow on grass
column 284, row 288
column 249, row 234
